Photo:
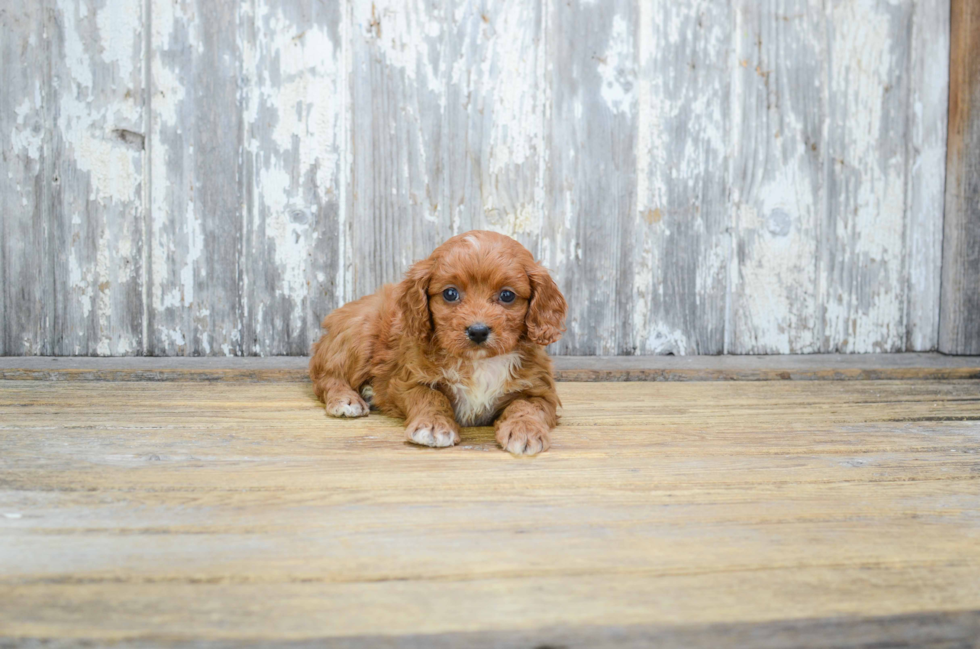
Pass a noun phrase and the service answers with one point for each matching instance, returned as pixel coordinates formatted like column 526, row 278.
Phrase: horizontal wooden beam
column 811, row 367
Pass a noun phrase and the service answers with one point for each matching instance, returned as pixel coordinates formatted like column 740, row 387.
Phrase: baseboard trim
column 812, row 367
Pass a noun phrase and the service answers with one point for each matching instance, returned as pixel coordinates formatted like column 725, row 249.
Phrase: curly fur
column 407, row 347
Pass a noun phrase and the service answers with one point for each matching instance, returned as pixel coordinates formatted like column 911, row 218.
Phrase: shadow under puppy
column 460, row 341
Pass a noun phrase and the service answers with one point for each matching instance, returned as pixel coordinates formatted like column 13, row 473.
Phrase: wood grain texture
column 197, row 287
column 295, row 171
column 497, row 124
column 785, row 367
column 96, row 176
column 247, row 248
column 778, row 177
column 960, row 314
column 228, row 512
column 835, row 173
column 398, row 94
column 211, row 178
column 681, row 224
column 929, row 83
column 73, row 174
column 25, row 115
column 863, row 290
column 591, row 49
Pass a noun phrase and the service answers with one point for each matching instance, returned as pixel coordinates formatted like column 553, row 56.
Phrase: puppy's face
column 478, row 308
column 479, row 294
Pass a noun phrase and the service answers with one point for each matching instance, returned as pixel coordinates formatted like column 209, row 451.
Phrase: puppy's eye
column 450, row 295
column 507, row 296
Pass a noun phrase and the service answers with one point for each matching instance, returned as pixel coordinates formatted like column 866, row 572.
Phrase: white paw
column 349, row 406
column 431, row 434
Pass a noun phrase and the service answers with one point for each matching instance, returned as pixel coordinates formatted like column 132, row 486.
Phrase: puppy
column 459, row 342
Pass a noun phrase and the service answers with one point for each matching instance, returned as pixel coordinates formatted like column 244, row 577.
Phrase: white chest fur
column 478, row 388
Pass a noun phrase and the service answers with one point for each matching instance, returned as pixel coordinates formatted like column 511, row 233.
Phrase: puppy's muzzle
column 478, row 332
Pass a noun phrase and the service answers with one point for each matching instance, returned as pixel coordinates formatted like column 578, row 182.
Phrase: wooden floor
column 674, row 514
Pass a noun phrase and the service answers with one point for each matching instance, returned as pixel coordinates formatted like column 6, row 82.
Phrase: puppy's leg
column 339, row 361
column 523, row 427
column 430, row 417
column 341, row 400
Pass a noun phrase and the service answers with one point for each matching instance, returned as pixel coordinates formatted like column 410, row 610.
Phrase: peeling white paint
column 345, row 245
column 100, row 169
column 870, row 216
column 103, row 291
column 661, row 339
column 194, row 240
column 468, row 137
column 114, row 175
column 779, row 248
column 82, row 281
column 650, row 150
column 176, row 237
column 677, row 187
column 777, row 200
column 303, row 105
column 929, row 78
column 119, row 31
column 617, row 68
column 28, row 135
column 76, row 58
column 86, row 128
column 404, row 31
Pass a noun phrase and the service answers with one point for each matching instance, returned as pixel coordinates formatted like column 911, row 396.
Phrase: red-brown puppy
column 460, row 341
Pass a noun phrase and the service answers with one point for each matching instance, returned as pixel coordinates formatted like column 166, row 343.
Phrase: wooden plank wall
column 960, row 313
column 209, row 177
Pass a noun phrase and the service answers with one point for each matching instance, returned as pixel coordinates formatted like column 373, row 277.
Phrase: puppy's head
column 478, row 295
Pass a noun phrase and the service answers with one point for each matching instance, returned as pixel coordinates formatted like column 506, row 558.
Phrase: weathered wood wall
column 184, row 177
column 959, row 331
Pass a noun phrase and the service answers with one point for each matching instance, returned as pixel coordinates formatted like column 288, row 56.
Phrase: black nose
column 478, row 332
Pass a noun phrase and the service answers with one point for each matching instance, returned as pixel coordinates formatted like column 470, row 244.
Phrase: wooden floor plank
column 190, row 513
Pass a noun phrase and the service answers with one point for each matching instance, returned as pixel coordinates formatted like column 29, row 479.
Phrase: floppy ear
column 546, row 313
column 414, row 300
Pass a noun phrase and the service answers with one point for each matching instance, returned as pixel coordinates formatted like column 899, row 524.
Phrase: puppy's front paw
column 349, row 404
column 432, row 431
column 523, row 435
